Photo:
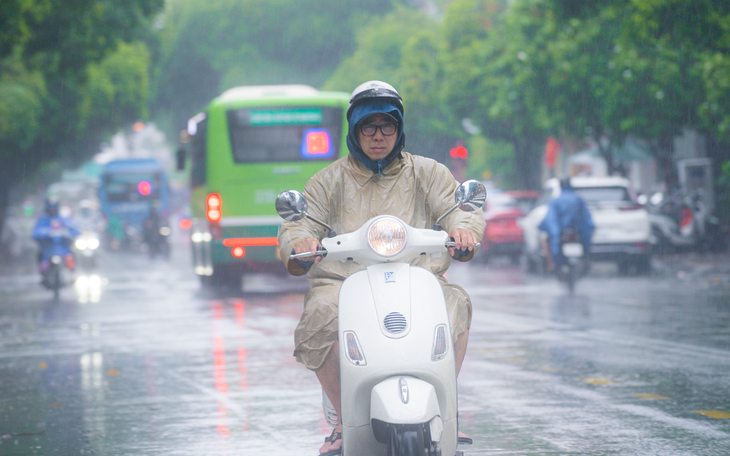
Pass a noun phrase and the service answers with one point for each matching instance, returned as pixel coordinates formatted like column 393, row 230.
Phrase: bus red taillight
column 214, row 209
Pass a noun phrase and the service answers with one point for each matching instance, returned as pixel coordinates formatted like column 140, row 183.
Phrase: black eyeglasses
column 386, row 129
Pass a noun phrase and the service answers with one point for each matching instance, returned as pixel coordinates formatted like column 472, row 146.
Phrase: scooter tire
column 571, row 278
column 56, row 282
column 406, row 440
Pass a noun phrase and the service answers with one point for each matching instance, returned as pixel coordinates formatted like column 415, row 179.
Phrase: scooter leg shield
column 403, row 400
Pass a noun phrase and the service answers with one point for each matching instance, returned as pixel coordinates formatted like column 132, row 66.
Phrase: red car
column 502, row 234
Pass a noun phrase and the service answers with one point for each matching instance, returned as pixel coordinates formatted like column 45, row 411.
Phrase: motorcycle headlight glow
column 81, row 244
column 92, row 243
column 387, row 236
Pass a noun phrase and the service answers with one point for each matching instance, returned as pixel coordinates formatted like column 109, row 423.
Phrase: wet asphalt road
column 148, row 364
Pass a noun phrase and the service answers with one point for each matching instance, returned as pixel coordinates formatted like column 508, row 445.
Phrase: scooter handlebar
column 323, row 252
column 451, row 243
column 320, row 252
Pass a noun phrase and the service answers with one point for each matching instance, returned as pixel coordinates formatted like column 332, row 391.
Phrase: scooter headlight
column 387, row 236
column 80, row 244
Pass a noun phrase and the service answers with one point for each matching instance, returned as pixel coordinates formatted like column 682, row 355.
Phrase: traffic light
column 459, row 152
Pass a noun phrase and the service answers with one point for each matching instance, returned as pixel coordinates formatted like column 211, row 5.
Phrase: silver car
column 623, row 231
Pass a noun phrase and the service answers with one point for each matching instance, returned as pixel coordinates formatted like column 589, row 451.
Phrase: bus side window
column 198, row 172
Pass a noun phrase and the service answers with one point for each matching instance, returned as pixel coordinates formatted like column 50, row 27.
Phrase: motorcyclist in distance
column 376, row 178
column 151, row 230
column 54, row 234
column 567, row 210
column 88, row 219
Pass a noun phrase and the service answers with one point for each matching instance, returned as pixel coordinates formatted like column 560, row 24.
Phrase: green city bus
column 251, row 143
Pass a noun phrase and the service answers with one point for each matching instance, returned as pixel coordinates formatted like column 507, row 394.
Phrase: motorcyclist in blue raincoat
column 568, row 210
column 55, row 235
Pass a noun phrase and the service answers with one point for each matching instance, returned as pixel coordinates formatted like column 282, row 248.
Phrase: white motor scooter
column 397, row 364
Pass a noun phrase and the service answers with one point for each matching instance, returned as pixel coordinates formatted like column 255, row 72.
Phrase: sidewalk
column 713, row 269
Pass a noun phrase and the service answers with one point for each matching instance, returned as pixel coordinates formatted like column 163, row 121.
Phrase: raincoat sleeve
column 73, row 230
column 40, row 230
column 588, row 226
column 440, row 197
column 293, row 232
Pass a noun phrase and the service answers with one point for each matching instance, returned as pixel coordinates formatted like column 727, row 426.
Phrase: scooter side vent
column 395, row 322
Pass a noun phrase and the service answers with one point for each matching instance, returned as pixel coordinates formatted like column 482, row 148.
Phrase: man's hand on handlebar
column 464, row 240
column 308, row 245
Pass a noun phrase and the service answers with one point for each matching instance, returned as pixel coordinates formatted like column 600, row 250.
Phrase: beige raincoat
column 345, row 195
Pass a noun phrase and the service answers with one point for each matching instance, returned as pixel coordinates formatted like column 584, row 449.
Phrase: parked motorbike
column 87, row 245
column 682, row 223
column 397, row 369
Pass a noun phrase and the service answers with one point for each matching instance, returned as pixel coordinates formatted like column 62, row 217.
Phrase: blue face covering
column 361, row 112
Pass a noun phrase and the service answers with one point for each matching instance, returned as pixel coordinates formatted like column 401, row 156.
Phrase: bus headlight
column 387, row 236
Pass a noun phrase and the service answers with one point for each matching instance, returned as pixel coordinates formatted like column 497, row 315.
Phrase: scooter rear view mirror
column 292, row 206
column 469, row 197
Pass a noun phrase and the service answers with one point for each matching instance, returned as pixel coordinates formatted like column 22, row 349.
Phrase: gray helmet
column 565, row 182
column 374, row 90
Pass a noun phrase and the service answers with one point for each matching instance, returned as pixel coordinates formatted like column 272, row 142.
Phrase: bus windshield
column 284, row 134
column 129, row 187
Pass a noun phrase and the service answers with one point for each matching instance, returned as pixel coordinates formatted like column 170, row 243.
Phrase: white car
column 623, row 231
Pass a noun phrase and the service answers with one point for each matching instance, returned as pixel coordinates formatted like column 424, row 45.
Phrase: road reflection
column 220, row 364
column 88, row 288
column 92, row 390
column 572, row 310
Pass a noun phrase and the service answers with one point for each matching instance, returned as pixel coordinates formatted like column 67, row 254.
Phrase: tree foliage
column 67, row 78
column 208, row 46
column 609, row 70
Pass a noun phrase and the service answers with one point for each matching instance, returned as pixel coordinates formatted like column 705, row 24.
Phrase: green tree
column 116, row 88
column 669, row 69
column 208, row 46
column 490, row 79
column 56, row 58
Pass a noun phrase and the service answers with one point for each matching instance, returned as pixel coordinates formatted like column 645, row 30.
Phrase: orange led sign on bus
column 316, row 144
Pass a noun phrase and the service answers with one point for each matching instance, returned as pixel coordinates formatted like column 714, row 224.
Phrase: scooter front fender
column 403, row 400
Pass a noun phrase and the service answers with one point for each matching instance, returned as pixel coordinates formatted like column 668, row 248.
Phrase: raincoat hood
column 359, row 113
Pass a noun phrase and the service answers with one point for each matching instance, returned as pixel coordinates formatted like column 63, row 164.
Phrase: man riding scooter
column 153, row 232
column 567, row 211
column 377, row 178
column 55, row 235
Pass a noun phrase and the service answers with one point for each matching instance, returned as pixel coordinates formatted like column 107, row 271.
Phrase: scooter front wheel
column 406, row 440
column 56, row 282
